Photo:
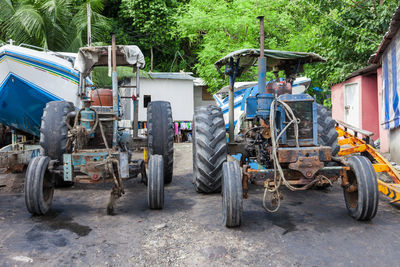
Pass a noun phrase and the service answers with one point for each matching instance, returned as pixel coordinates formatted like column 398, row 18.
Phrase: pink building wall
column 371, row 94
column 369, row 107
column 383, row 133
column 337, row 96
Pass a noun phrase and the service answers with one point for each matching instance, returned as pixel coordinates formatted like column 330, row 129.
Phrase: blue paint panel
column 22, row 103
column 395, row 103
column 251, row 107
column 386, row 90
column 246, row 95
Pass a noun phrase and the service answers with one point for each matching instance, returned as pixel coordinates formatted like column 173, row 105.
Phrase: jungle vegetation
column 190, row 35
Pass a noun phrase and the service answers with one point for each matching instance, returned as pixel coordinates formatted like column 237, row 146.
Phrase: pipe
column 231, row 111
column 114, row 88
column 262, row 61
column 135, row 105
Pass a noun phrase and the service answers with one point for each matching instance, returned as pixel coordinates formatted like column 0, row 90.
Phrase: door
column 352, row 104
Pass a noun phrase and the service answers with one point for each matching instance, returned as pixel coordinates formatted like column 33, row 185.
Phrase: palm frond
column 7, row 10
column 27, row 25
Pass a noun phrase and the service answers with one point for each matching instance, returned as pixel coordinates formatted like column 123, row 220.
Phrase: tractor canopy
column 291, row 62
column 90, row 57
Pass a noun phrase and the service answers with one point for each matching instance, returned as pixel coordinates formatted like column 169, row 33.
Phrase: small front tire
column 232, row 198
column 155, row 182
column 39, row 186
column 362, row 204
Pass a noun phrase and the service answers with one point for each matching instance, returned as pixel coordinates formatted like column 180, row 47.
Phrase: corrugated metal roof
column 367, row 70
column 199, row 82
column 171, row 75
column 387, row 38
column 275, row 58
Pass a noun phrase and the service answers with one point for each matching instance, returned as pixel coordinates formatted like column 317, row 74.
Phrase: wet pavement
column 312, row 228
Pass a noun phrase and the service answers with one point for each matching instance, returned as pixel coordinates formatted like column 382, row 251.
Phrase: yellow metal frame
column 357, row 145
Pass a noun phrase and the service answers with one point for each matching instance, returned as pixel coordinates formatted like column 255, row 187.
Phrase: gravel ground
column 312, row 228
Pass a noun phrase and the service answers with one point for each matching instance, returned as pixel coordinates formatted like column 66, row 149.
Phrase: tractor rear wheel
column 54, row 134
column 155, row 182
column 362, row 204
column 232, row 194
column 39, row 186
column 160, row 132
column 209, row 148
column 327, row 134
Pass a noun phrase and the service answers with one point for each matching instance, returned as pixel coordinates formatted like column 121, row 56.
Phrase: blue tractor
column 283, row 139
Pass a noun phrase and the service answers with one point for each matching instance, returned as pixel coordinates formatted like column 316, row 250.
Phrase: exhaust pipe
column 262, row 61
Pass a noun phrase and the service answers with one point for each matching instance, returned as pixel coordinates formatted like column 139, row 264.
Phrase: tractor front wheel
column 39, row 186
column 155, row 182
column 361, row 203
column 232, row 194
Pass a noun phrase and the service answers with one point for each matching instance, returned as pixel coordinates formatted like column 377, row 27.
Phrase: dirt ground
column 312, row 228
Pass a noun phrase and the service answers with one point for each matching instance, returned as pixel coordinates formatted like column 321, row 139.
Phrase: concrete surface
column 312, row 228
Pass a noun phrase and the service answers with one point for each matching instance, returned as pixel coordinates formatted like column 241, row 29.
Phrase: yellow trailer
column 350, row 142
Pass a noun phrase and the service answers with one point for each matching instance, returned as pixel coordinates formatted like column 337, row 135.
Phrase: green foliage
column 151, row 24
column 52, row 24
column 192, row 35
column 216, row 28
column 345, row 32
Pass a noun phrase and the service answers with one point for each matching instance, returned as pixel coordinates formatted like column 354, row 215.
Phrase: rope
column 279, row 179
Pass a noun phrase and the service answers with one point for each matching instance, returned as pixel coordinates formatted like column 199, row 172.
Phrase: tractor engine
column 255, row 127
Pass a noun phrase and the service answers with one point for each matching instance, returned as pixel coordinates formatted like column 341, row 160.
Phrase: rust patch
column 308, row 166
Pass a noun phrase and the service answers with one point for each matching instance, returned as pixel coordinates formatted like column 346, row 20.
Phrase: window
column 146, row 100
column 205, row 95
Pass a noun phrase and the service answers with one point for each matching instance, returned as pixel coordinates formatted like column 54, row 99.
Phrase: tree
column 152, row 26
column 51, row 24
column 345, row 32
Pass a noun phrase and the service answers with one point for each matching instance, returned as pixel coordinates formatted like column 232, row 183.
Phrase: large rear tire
column 209, row 148
column 362, row 204
column 54, row 134
column 160, row 132
column 39, row 186
column 155, row 183
column 232, row 194
column 327, row 134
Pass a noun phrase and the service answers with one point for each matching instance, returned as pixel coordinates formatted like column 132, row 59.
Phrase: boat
column 242, row 91
column 29, row 78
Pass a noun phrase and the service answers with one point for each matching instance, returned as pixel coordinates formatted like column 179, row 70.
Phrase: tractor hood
column 283, row 60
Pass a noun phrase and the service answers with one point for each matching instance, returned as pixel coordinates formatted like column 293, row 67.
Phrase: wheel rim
column 352, row 197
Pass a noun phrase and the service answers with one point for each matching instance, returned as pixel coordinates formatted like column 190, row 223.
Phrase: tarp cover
column 283, row 60
column 89, row 57
column 391, row 84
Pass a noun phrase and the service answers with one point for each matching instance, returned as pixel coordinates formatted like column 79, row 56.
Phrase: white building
column 183, row 91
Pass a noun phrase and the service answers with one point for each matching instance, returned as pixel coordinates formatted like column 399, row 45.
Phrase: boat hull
column 28, row 80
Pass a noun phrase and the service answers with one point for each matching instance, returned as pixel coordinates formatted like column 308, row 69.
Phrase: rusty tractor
column 281, row 139
column 92, row 144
